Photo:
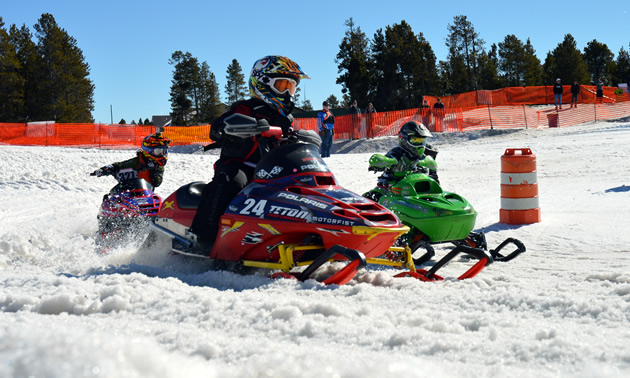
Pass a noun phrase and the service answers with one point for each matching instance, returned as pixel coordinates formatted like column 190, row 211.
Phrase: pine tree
column 533, row 68
column 512, row 61
column 487, row 76
column 184, row 88
column 194, row 91
column 210, row 97
column 376, row 72
column 565, row 62
column 599, row 61
column 297, row 95
column 28, row 56
column 453, row 75
column 621, row 73
column 235, row 88
column 11, row 82
column 465, row 47
column 306, row 105
column 352, row 62
column 409, row 69
column 333, row 102
column 65, row 91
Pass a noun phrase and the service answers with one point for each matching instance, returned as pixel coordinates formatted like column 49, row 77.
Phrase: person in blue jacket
column 326, row 126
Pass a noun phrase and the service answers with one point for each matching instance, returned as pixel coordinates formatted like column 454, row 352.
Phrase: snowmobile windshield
column 290, row 159
column 136, row 183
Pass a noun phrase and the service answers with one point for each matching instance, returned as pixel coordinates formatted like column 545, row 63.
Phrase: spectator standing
column 557, row 93
column 326, row 125
column 599, row 90
column 425, row 111
column 575, row 91
column 356, row 120
column 438, row 114
column 370, row 114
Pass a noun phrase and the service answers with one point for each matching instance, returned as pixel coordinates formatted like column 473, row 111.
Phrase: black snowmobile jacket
column 246, row 149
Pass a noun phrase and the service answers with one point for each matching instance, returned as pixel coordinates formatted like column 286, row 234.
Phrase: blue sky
column 128, row 43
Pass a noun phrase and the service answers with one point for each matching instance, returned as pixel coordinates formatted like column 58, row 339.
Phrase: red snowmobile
column 292, row 214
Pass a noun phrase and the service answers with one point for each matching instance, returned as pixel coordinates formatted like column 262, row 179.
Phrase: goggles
column 156, row 151
column 417, row 141
column 283, row 85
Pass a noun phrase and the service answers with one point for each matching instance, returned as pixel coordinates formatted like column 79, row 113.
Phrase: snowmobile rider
column 272, row 84
column 148, row 164
column 412, row 155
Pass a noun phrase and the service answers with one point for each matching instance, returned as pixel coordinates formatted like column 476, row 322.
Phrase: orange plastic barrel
column 519, row 187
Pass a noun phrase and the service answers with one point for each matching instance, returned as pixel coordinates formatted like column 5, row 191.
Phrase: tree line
column 44, row 76
column 397, row 67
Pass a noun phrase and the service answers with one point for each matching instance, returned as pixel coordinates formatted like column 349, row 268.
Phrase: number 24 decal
column 254, row 207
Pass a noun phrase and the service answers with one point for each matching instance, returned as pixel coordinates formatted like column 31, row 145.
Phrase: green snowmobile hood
column 421, row 204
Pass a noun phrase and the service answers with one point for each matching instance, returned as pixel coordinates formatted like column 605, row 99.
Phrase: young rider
column 411, row 155
column 272, row 84
column 148, row 164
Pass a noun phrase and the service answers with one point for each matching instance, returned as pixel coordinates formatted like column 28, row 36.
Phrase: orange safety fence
column 361, row 126
column 537, row 95
column 503, row 108
column 95, row 135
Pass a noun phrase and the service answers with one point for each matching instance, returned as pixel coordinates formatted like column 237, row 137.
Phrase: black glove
column 103, row 171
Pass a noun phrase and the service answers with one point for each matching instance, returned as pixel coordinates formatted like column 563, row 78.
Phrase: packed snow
column 562, row 309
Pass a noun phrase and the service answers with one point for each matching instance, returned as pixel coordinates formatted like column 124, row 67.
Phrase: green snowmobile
column 433, row 216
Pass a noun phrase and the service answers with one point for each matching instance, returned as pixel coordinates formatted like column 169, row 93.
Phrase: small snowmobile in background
column 126, row 211
column 435, row 216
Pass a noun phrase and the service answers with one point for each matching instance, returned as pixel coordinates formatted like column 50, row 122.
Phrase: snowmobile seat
column 189, row 195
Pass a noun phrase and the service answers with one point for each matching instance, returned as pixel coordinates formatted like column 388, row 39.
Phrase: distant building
column 161, row 120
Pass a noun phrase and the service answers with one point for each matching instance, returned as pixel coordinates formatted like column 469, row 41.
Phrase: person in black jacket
column 557, row 92
column 599, row 89
column 438, row 114
column 272, row 84
column 575, row 91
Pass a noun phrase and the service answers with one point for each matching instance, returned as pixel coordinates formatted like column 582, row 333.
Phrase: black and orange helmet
column 155, row 148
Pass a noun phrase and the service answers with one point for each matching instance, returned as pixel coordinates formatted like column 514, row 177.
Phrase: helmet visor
column 156, row 151
column 417, row 141
column 284, row 85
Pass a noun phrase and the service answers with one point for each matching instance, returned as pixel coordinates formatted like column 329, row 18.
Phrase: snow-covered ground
column 562, row 309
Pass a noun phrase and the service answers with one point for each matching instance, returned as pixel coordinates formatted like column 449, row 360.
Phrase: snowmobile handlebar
column 242, row 126
column 380, row 162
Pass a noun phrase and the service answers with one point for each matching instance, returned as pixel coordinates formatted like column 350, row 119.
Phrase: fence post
column 490, row 117
column 525, row 115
